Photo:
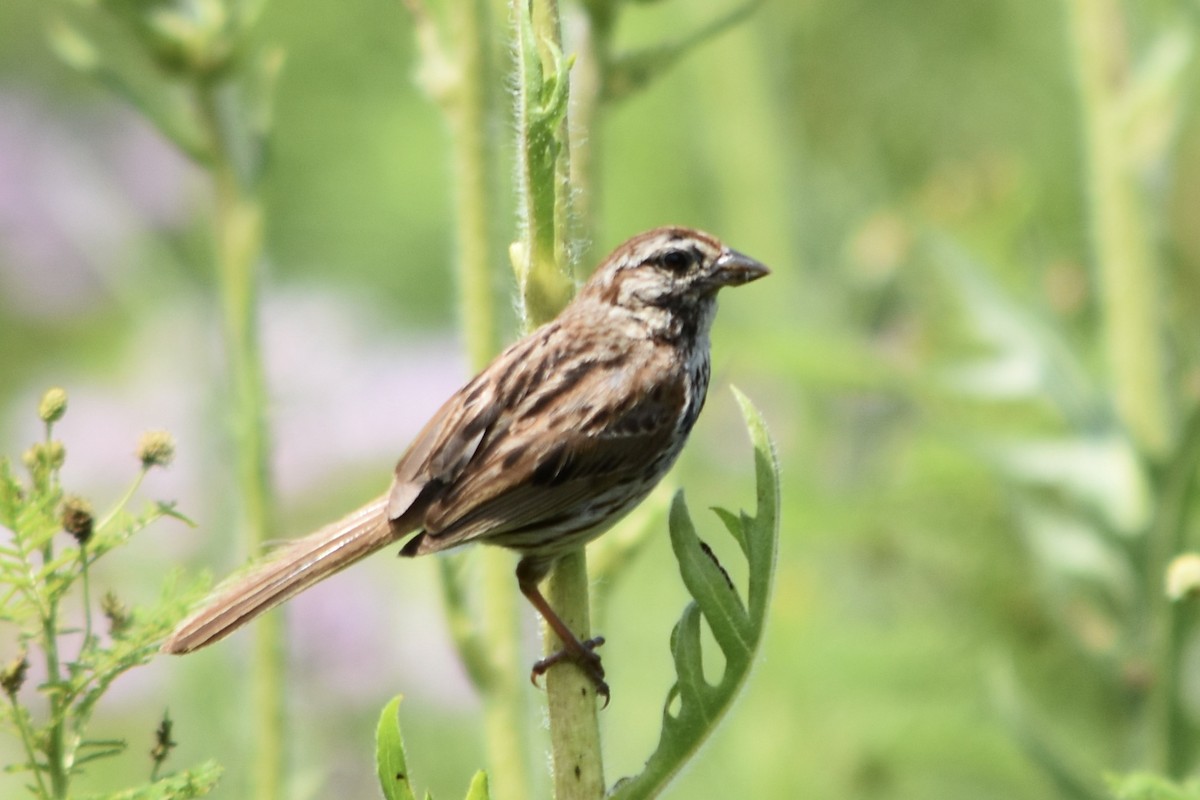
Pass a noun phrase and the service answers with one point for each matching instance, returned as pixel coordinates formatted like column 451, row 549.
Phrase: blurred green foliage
column 873, row 153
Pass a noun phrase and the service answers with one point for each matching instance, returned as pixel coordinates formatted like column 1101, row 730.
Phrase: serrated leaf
column 390, row 762
column 694, row 707
column 196, row 782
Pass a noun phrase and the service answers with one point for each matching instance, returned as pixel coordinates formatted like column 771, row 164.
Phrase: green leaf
column 707, row 581
column 389, row 754
column 478, row 789
column 632, row 71
column 1060, row 764
column 196, row 782
column 1144, row 786
column 694, row 707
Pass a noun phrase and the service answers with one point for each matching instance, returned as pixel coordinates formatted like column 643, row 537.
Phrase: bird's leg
column 530, row 572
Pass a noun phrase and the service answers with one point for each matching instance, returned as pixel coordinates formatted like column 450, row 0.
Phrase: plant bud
column 53, row 405
column 45, row 457
column 77, row 519
column 13, row 674
column 1183, row 577
column 156, row 449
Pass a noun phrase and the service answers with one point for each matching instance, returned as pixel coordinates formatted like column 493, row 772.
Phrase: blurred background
column 959, row 609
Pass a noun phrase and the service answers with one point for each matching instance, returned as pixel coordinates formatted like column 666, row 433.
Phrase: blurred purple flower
column 75, row 188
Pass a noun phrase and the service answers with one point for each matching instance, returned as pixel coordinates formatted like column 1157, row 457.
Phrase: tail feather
column 292, row 569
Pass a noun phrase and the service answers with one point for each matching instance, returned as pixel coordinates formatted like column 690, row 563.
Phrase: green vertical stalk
column 56, row 739
column 544, row 276
column 1171, row 621
column 56, row 746
column 1121, row 238
column 1130, row 297
column 570, row 696
column 588, row 77
column 505, row 723
column 543, row 159
column 486, row 646
column 470, row 117
column 504, row 712
column 237, row 232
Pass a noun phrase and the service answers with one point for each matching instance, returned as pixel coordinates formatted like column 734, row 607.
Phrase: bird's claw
column 587, row 659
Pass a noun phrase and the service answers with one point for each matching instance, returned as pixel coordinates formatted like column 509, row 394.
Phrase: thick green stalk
column 1122, row 245
column 570, row 696
column 505, row 722
column 587, row 88
column 237, row 233
column 1175, row 736
column 1130, row 295
column 543, row 162
column 470, row 114
column 486, row 646
column 544, row 275
column 505, row 718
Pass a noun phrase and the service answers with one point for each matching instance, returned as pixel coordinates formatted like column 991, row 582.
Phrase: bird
column 558, row 438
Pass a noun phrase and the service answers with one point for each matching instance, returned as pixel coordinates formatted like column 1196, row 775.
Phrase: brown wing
column 479, row 411
column 441, row 450
column 585, row 432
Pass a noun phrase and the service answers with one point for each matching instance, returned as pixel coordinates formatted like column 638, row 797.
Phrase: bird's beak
column 734, row 269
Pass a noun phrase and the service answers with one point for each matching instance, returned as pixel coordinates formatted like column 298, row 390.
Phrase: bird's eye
column 676, row 260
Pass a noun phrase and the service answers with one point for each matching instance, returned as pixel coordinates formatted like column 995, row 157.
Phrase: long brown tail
column 293, row 569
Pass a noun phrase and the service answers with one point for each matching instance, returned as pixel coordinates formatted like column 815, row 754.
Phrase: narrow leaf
column 389, row 754
column 478, row 789
column 709, row 583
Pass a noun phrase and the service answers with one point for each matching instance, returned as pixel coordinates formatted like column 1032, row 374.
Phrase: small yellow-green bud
column 116, row 613
column 156, row 449
column 13, row 674
column 77, row 518
column 45, row 456
column 53, row 405
column 1183, row 576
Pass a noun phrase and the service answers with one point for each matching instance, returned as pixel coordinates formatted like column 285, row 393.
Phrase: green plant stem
column 238, row 239
column 124, row 501
column 504, row 712
column 544, row 275
column 486, row 646
column 86, row 588
column 471, row 120
column 1129, row 289
column 588, row 78
column 1122, row 245
column 543, row 162
column 22, row 722
column 55, row 748
column 1170, row 621
column 570, row 696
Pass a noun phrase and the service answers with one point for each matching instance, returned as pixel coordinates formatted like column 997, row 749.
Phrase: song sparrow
column 558, row 438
